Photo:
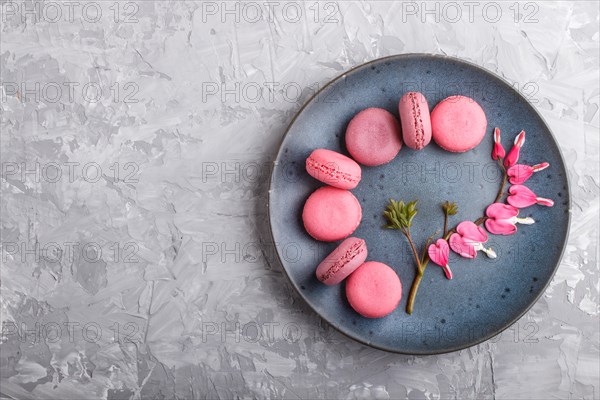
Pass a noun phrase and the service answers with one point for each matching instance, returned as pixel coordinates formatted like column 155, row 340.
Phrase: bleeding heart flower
column 469, row 239
column 502, row 219
column 498, row 151
column 521, row 197
column 438, row 253
column 513, row 155
column 519, row 173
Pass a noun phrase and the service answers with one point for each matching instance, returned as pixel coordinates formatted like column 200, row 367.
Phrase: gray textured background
column 136, row 141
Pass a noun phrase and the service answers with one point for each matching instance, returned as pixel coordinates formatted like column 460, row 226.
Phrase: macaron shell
column 374, row 290
column 331, row 214
column 458, row 124
column 342, row 261
column 333, row 168
column 416, row 123
column 373, row 137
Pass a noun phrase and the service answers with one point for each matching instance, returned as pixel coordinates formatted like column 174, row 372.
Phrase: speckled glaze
column 486, row 296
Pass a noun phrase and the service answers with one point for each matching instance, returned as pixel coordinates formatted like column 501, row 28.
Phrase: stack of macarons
column 374, row 137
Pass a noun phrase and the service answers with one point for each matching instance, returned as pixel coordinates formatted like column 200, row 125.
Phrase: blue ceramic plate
column 486, row 296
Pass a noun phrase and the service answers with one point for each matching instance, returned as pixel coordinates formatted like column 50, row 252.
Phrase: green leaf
column 450, row 208
column 399, row 215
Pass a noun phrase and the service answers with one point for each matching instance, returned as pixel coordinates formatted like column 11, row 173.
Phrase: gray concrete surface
column 136, row 141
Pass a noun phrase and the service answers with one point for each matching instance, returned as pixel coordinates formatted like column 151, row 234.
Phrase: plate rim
column 350, row 334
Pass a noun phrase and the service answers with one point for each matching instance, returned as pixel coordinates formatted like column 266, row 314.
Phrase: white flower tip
column 497, row 135
column 540, row 167
column 490, row 253
column 520, row 139
column 448, row 272
column 526, row 221
column 545, row 202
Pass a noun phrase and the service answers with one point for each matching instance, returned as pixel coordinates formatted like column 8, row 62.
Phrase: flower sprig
column 449, row 208
column 400, row 216
column 468, row 237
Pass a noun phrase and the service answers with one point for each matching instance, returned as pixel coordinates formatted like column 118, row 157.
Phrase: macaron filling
column 333, row 174
column 354, row 250
column 418, row 121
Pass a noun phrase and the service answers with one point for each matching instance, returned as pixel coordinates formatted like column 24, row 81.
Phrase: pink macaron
column 331, row 214
column 342, row 261
column 458, row 124
column 333, row 168
column 416, row 124
column 374, row 290
column 373, row 137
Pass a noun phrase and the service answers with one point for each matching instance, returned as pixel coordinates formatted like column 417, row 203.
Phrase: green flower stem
column 504, row 179
column 413, row 290
column 445, row 223
column 414, row 249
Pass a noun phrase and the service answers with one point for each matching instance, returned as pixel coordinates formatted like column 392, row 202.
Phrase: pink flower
column 469, row 239
column 513, row 155
column 438, row 253
column 519, row 173
column 521, row 197
column 502, row 219
column 498, row 151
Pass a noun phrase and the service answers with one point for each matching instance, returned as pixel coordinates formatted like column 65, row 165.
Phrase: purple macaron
column 347, row 257
column 416, row 123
